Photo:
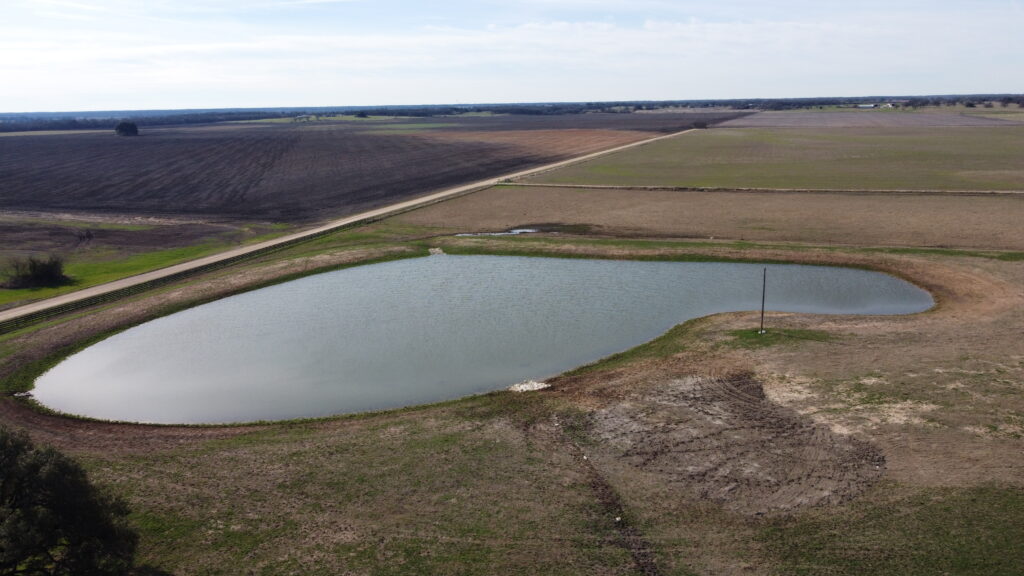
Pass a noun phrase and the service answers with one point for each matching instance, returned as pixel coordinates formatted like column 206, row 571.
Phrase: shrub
column 34, row 272
column 125, row 128
column 52, row 520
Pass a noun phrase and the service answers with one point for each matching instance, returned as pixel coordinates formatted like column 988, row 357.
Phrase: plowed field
column 298, row 171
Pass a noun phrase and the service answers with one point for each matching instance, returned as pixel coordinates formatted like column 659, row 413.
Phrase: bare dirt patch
column 721, row 439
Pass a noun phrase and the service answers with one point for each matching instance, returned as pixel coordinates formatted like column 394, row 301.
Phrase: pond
column 423, row 330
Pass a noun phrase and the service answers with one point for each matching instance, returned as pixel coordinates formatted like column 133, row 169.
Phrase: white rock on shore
column 528, row 386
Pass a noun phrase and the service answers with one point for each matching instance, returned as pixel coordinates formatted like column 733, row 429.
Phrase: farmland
column 820, row 158
column 831, row 445
column 876, row 219
column 296, row 172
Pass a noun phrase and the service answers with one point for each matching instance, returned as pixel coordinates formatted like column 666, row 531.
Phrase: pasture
column 849, row 158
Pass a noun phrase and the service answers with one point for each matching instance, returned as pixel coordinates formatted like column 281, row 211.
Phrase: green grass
column 750, row 339
column 91, row 272
column 916, row 158
column 542, row 246
column 669, row 343
column 108, row 265
column 679, row 337
column 973, row 531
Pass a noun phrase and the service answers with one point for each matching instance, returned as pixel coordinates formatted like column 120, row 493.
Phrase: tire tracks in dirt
column 628, row 537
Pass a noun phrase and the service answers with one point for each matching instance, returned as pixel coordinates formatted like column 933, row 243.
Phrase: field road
column 66, row 302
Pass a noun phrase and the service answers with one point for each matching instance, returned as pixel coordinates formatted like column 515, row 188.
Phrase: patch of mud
column 723, row 440
column 512, row 232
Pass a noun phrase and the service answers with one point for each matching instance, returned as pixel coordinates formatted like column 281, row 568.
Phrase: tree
column 126, row 128
column 52, row 520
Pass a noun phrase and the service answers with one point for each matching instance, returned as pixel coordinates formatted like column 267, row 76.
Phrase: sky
column 64, row 55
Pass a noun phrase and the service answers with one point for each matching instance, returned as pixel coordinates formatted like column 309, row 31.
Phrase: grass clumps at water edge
column 751, row 338
column 669, row 343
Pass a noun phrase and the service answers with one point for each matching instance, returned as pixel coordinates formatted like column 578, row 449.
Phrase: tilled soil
column 296, row 172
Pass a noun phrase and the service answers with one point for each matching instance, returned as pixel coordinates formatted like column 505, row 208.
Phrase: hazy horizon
column 98, row 55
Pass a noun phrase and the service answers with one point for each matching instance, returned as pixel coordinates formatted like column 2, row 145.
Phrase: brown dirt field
column 294, row 172
column 923, row 220
column 547, row 142
column 858, row 119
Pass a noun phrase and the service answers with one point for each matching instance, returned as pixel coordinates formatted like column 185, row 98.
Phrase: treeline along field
column 295, row 172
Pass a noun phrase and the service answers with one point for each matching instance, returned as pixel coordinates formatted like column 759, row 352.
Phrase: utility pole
column 764, row 288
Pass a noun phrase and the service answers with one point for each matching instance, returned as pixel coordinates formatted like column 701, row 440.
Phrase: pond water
column 423, row 330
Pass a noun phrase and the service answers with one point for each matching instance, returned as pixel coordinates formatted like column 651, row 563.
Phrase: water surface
column 423, row 330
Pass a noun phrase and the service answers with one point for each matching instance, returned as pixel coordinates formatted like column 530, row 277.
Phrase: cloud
column 158, row 59
column 71, row 5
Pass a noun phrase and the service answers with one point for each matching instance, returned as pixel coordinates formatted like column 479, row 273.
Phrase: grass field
column 915, row 158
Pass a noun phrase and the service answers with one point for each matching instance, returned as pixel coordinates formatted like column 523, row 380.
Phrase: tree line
column 21, row 122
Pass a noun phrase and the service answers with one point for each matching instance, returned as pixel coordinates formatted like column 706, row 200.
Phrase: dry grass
column 991, row 222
